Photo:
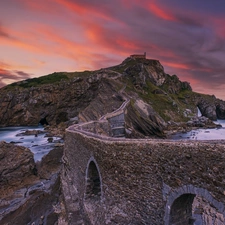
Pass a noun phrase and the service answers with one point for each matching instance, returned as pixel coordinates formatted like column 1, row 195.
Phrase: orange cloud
column 32, row 47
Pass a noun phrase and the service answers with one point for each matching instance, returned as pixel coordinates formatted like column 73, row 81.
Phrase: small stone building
column 138, row 56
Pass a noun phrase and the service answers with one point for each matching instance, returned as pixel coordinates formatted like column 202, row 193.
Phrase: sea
column 202, row 134
column 38, row 144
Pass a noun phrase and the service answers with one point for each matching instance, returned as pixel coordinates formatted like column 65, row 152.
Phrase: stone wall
column 139, row 181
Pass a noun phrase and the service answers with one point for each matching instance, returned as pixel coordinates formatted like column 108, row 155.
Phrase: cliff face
column 88, row 95
column 52, row 103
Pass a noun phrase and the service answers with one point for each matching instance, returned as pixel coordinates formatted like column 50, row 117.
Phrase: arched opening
column 181, row 210
column 189, row 205
column 93, row 182
column 43, row 121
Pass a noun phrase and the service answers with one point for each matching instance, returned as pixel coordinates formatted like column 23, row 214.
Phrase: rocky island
column 120, row 118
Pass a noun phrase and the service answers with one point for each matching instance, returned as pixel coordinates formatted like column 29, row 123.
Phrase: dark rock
column 50, row 163
column 50, row 139
column 31, row 132
column 158, row 92
column 17, row 167
column 37, row 207
column 173, row 85
column 208, row 108
column 143, row 121
column 202, row 121
column 220, row 109
column 43, row 121
column 15, row 142
column 29, row 193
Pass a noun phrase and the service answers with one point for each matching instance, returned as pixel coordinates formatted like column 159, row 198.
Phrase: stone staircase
column 117, row 125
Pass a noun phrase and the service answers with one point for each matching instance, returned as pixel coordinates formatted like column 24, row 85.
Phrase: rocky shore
column 29, row 191
column 193, row 124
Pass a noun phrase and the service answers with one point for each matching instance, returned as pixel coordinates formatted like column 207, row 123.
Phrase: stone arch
column 179, row 209
column 93, row 184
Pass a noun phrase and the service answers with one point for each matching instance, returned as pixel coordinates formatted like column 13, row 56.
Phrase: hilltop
column 157, row 99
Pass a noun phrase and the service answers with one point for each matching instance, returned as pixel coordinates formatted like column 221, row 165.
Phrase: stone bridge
column 110, row 180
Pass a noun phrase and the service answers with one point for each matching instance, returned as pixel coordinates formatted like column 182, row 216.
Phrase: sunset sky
column 39, row 37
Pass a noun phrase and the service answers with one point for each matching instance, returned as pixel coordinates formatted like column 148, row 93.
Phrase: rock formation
column 29, row 193
column 220, row 109
column 142, row 119
column 17, row 167
column 84, row 96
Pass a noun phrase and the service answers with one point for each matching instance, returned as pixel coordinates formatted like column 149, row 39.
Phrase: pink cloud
column 84, row 34
column 160, row 12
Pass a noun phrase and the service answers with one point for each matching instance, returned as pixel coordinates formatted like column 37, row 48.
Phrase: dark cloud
column 13, row 76
column 189, row 21
column 207, row 7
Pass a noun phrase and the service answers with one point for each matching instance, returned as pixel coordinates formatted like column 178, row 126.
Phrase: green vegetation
column 48, row 79
column 53, row 78
column 168, row 106
column 83, row 74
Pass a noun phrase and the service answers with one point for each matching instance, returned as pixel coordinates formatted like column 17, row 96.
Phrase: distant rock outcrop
column 211, row 107
column 208, row 108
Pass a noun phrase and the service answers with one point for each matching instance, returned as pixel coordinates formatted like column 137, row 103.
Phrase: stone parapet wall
column 98, row 128
column 140, row 179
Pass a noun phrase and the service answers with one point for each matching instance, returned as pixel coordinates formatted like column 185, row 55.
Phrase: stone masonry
column 109, row 180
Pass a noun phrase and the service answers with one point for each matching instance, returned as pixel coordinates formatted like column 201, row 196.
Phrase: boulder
column 17, row 167
column 50, row 163
column 203, row 122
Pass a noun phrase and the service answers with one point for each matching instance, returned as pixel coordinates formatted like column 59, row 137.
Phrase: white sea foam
column 39, row 144
column 203, row 134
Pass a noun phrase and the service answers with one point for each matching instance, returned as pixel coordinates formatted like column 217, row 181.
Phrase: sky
column 45, row 36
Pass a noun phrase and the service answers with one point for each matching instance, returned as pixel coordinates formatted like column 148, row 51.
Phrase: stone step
column 118, row 128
